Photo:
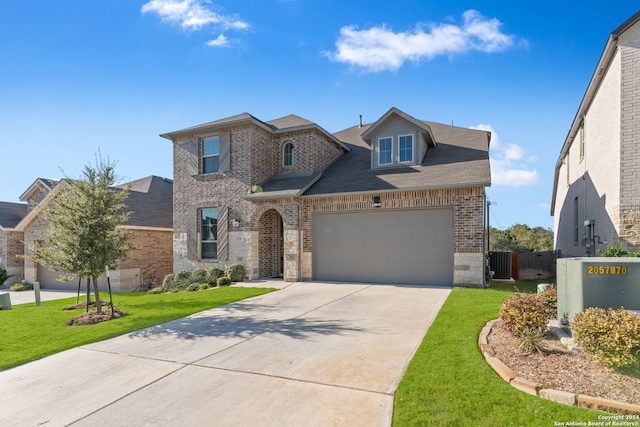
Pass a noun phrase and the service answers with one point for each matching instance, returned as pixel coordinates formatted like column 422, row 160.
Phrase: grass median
column 29, row 332
column 448, row 382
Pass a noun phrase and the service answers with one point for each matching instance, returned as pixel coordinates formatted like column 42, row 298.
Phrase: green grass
column 29, row 332
column 448, row 382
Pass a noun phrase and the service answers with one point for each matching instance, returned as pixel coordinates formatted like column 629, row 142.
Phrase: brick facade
column 597, row 174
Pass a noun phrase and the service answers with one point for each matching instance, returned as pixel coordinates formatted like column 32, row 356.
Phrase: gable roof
column 48, row 184
column 12, row 213
column 459, row 159
column 423, row 126
column 290, row 123
column 596, row 79
column 150, row 202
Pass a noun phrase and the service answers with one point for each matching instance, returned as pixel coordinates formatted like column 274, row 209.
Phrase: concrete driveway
column 312, row 354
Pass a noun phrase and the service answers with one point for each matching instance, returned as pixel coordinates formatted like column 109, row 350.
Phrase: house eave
column 399, row 190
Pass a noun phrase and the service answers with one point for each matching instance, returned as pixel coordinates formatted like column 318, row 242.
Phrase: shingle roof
column 150, row 202
column 12, row 213
column 284, row 186
column 460, row 159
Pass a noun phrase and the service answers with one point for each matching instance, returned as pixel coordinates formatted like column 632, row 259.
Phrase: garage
column 402, row 246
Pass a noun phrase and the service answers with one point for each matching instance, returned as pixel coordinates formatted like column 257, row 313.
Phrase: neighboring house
column 150, row 225
column 596, row 190
column 397, row 201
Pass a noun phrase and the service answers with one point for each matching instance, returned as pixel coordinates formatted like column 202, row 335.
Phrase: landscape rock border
column 537, row 389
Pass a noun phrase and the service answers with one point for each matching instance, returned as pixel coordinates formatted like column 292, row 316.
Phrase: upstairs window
column 211, row 155
column 406, row 148
column 385, row 151
column 209, row 233
column 288, row 154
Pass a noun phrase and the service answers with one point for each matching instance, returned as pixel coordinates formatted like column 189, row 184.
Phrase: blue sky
column 78, row 77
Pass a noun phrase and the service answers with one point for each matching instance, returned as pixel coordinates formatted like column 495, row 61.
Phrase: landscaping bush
column 168, row 282
column 152, row 291
column 213, row 274
column 193, row 287
column 236, row 272
column 523, row 313
column 550, row 300
column 182, row 279
column 199, row 275
column 22, row 286
column 530, row 340
column 223, row 281
column 4, row 276
column 612, row 337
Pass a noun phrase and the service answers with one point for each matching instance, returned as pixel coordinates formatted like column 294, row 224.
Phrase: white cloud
column 194, row 15
column 510, row 164
column 220, row 41
column 380, row 49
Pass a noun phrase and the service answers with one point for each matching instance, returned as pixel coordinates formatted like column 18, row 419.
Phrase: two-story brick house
column 400, row 200
column 596, row 190
column 150, row 225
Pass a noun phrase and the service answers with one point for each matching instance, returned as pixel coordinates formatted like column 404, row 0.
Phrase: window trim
column 285, row 155
column 201, row 241
column 400, row 148
column 208, row 156
column 390, row 162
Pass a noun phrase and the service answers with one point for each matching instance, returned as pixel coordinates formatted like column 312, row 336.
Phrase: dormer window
column 211, row 155
column 288, row 154
column 385, row 151
column 406, row 148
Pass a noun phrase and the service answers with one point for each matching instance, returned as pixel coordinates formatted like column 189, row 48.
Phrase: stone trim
column 537, row 389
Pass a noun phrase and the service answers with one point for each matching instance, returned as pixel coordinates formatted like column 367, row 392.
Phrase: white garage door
column 403, row 247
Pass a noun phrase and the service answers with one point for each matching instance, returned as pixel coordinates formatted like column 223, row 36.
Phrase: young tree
column 83, row 235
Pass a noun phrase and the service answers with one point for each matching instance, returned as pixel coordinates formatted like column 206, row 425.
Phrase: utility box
column 602, row 282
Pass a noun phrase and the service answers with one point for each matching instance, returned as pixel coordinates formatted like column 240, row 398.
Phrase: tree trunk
column 96, row 294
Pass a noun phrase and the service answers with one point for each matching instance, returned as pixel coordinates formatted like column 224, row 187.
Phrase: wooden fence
column 534, row 265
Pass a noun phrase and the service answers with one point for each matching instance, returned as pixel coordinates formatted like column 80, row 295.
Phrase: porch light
column 376, row 202
column 235, row 223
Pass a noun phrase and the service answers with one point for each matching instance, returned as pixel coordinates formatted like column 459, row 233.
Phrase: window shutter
column 192, row 234
column 192, row 156
column 223, row 233
column 225, row 152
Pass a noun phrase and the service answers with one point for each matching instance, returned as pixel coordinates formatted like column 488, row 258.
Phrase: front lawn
column 448, row 382
column 29, row 332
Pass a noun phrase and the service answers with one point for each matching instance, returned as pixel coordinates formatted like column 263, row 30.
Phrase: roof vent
column 360, row 120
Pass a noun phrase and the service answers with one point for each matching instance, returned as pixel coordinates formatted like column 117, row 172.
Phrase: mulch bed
column 559, row 368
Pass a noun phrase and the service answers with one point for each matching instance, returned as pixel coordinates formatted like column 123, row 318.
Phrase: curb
column 536, row 389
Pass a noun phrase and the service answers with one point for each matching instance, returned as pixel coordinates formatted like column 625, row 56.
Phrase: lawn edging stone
column 537, row 389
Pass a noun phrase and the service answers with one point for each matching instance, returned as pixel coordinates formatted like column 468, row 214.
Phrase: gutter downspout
column 299, row 205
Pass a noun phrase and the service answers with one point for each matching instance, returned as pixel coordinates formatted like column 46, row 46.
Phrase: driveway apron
column 312, row 354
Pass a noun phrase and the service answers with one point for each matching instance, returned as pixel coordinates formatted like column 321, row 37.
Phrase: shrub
column 618, row 251
column 223, row 281
column 236, row 272
column 199, row 275
column 203, row 286
column 192, row 287
column 168, row 282
column 182, row 279
column 612, row 337
column 213, row 274
column 523, row 313
column 156, row 290
column 22, row 286
column 4, row 276
column 530, row 340
column 550, row 300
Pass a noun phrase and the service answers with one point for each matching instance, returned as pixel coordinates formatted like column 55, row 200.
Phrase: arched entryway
column 270, row 244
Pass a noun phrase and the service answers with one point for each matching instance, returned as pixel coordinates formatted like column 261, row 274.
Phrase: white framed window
column 210, row 155
column 209, row 233
column 288, row 154
column 405, row 150
column 385, row 151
